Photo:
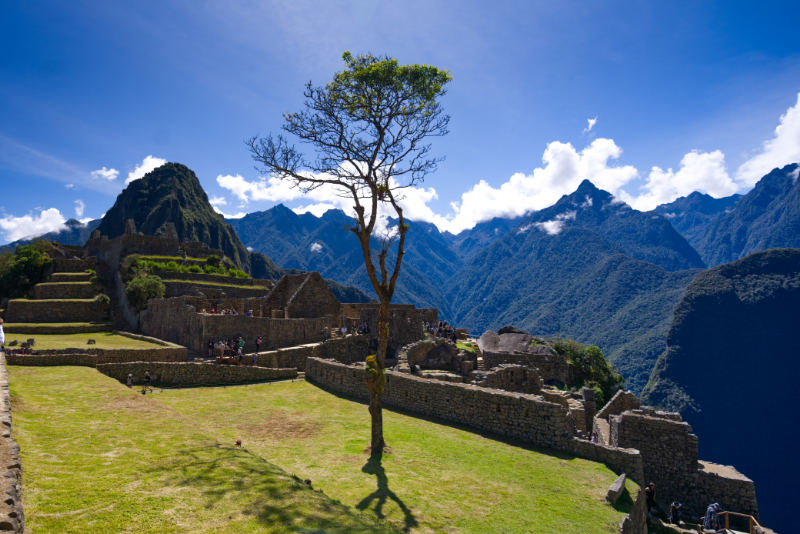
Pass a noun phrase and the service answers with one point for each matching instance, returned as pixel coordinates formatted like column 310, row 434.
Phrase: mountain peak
column 172, row 193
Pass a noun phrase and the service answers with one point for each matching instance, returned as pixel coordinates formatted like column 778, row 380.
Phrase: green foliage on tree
column 213, row 260
column 142, row 288
column 595, row 371
column 29, row 265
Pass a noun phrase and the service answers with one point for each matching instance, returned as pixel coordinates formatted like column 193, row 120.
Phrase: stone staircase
column 481, row 364
column 66, row 304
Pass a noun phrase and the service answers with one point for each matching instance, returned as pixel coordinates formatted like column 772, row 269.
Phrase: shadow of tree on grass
column 240, row 483
column 382, row 493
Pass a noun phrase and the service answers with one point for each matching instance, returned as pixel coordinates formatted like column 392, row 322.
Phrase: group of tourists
column 712, row 520
column 343, row 331
column 231, row 348
column 442, row 329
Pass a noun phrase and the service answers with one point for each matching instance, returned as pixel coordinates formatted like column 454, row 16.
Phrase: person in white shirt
column 2, row 338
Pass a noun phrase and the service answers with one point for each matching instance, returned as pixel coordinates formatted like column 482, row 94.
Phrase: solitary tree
column 368, row 129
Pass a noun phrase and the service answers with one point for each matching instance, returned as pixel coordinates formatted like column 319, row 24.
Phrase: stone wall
column 553, row 368
column 41, row 360
column 79, row 356
column 64, row 290
column 214, row 278
column 636, row 521
column 73, row 265
column 510, row 378
column 350, row 349
column 176, row 320
column 722, row 484
column 12, row 516
column 55, row 311
column 627, row 461
column 622, row 401
column 193, row 373
column 526, row 418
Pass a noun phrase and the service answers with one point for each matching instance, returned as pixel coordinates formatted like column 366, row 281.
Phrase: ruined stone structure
column 405, row 322
column 516, row 348
column 193, row 373
column 669, row 454
column 303, row 295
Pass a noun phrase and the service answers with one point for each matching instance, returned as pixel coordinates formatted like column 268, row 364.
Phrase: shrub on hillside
column 29, row 265
column 143, row 288
column 596, row 372
column 102, row 297
column 237, row 273
column 213, row 260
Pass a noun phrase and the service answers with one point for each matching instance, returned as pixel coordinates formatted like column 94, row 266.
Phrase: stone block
column 616, row 489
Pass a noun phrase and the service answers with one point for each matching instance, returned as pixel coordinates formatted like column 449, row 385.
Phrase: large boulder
column 510, row 342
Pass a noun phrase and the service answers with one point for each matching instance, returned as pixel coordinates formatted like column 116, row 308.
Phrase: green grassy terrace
column 215, row 284
column 100, row 457
column 54, row 328
column 105, row 340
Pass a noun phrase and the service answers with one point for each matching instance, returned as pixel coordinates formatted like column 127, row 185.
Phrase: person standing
column 129, row 381
column 2, row 337
column 147, row 385
column 258, row 343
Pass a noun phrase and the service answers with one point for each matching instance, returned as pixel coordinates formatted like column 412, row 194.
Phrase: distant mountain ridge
column 693, row 215
column 766, row 217
column 74, row 233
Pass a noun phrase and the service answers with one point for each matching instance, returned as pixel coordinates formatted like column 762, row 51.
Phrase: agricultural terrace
column 101, row 457
column 103, row 340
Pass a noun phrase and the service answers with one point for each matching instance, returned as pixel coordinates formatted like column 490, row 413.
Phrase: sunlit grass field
column 98, row 457
column 103, row 340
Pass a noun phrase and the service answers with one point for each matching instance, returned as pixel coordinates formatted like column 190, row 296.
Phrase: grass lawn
column 215, row 284
column 100, row 457
column 105, row 340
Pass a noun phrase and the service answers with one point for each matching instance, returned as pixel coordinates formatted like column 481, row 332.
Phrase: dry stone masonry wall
column 12, row 516
column 193, row 373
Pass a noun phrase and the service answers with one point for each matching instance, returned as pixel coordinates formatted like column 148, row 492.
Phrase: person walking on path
column 147, row 385
column 129, row 381
column 2, row 337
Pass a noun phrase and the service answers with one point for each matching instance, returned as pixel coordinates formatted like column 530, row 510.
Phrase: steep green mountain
column 325, row 245
column 766, row 217
column 481, row 235
column 731, row 368
column 574, row 283
column 693, row 215
column 172, row 193
column 644, row 236
column 75, row 233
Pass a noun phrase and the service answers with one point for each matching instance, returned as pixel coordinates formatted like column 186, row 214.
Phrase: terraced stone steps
column 57, row 328
column 70, row 277
column 56, row 311
column 64, row 290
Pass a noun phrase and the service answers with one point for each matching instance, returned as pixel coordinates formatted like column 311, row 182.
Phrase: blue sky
column 686, row 95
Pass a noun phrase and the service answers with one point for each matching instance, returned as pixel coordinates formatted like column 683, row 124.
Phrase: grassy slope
column 101, row 458
column 105, row 340
column 165, row 462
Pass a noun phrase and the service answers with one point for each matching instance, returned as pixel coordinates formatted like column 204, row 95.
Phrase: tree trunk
column 375, row 386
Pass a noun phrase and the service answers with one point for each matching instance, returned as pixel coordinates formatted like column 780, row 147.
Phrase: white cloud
column 69, row 186
column 49, row 220
column 79, row 207
column 237, row 215
column 590, row 124
column 699, row 171
column 795, row 174
column 564, row 169
column 218, row 201
column 148, row 164
column 315, row 247
column 554, row 226
column 781, row 150
column 105, row 174
column 318, row 210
